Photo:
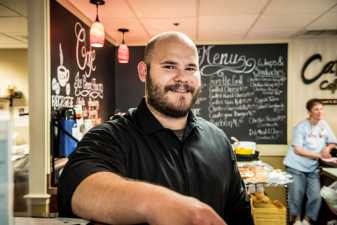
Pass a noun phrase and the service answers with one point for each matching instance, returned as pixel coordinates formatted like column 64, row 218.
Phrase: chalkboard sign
column 80, row 75
column 244, row 90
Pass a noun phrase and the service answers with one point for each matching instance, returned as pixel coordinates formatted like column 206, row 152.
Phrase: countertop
column 49, row 221
column 331, row 172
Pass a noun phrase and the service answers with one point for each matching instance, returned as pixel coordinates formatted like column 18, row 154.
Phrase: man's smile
column 179, row 88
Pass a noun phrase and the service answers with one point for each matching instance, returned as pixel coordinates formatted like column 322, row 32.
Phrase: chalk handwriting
column 85, row 58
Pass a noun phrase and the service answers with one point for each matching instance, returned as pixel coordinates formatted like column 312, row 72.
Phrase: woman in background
column 312, row 139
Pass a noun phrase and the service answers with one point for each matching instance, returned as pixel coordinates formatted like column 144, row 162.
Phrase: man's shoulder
column 119, row 118
column 117, row 122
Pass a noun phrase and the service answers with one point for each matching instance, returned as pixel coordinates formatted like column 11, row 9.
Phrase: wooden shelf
column 14, row 95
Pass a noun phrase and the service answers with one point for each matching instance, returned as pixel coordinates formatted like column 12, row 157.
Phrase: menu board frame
column 244, row 90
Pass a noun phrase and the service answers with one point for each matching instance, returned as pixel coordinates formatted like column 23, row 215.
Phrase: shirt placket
column 184, row 158
column 183, row 155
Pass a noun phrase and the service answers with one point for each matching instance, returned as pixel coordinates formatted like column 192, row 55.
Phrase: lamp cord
column 97, row 20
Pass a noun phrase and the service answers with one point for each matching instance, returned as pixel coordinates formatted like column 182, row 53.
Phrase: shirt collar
column 150, row 124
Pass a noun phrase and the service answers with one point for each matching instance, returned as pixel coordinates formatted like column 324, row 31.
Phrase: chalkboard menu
column 80, row 75
column 244, row 90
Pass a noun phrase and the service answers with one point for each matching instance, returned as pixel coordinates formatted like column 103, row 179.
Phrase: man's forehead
column 174, row 47
column 171, row 35
column 175, row 40
column 173, row 57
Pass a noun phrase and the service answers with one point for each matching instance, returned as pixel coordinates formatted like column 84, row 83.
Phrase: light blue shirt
column 312, row 138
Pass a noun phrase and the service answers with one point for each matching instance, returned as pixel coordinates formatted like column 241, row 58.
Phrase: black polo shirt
column 137, row 146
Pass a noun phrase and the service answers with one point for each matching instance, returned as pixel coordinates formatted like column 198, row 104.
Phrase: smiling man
column 158, row 164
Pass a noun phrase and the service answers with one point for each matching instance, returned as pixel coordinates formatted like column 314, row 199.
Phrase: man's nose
column 181, row 75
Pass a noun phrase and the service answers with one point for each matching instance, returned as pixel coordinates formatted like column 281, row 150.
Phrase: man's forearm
column 109, row 198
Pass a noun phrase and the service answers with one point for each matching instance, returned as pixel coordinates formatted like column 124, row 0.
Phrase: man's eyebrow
column 168, row 62
column 192, row 65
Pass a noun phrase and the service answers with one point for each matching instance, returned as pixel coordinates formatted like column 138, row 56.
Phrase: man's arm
column 108, row 198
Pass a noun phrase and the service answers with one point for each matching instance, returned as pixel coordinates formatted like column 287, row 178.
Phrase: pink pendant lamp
column 123, row 50
column 97, row 34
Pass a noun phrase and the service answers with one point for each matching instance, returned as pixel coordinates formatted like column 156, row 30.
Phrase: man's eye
column 191, row 69
column 169, row 67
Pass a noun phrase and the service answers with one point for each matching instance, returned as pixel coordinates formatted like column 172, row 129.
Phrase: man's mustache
column 179, row 86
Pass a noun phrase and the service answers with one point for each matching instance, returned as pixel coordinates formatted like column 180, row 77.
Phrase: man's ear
column 142, row 71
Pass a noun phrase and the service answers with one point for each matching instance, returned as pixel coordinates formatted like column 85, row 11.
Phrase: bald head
column 171, row 74
column 162, row 38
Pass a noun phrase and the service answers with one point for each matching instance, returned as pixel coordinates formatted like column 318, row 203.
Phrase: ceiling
column 13, row 24
column 205, row 21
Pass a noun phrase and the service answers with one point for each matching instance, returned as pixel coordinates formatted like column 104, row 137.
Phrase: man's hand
column 181, row 210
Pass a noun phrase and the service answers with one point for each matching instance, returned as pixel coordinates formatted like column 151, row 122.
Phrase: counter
column 49, row 221
column 329, row 172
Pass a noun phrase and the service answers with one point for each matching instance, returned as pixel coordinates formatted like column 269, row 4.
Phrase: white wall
column 14, row 71
column 298, row 92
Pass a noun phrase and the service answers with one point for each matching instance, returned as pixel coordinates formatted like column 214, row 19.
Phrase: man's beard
column 157, row 99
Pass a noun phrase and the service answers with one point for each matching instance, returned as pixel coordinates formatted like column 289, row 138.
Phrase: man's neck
column 167, row 121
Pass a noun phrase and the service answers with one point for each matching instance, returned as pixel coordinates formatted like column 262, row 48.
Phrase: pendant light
column 123, row 50
column 97, row 35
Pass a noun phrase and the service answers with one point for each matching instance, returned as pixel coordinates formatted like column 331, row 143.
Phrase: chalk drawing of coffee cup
column 62, row 71
column 62, row 75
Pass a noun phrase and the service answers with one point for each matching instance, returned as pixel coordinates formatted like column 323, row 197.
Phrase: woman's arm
column 303, row 152
column 324, row 153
